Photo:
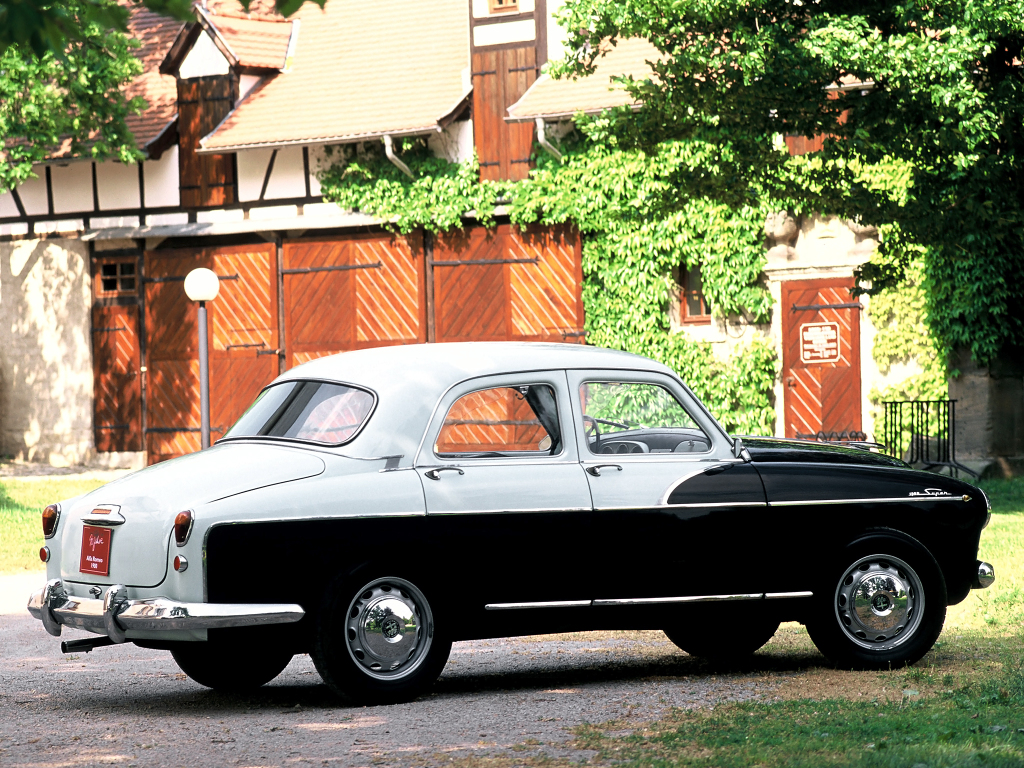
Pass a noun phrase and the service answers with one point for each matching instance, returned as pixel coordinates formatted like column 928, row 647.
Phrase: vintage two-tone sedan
column 373, row 507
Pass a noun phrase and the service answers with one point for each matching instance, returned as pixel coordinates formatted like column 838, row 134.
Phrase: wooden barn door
column 242, row 327
column 117, row 415
column 360, row 291
column 506, row 284
column 203, row 102
column 500, row 78
column 821, row 359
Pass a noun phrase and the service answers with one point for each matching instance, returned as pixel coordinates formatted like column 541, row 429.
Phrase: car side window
column 637, row 417
column 501, row 421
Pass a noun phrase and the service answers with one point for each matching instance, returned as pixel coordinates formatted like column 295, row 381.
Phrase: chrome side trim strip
column 784, row 595
column 508, row 511
column 893, row 500
column 549, row 604
column 687, row 599
column 716, row 504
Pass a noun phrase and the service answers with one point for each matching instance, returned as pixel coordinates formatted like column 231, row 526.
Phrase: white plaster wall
column 510, row 32
column 556, row 35
column 246, row 83
column 252, row 168
column 454, row 143
column 45, row 351
column 33, row 192
column 289, row 176
column 7, row 205
column 72, row 187
column 161, row 179
column 204, row 59
column 117, row 185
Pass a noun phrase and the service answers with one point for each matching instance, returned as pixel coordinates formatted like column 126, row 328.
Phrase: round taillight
column 44, row 554
column 182, row 527
column 180, row 564
column 51, row 516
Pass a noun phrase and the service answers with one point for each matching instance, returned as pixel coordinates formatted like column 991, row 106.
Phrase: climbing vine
column 633, row 236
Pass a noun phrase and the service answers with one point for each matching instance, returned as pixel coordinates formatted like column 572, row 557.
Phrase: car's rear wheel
column 230, row 667
column 884, row 608
column 377, row 641
column 722, row 633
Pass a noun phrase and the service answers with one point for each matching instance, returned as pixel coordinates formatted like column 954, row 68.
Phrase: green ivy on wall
column 902, row 337
column 630, row 247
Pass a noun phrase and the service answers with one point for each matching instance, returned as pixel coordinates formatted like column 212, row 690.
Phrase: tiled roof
column 256, row 43
column 591, row 94
column 362, row 68
column 156, row 33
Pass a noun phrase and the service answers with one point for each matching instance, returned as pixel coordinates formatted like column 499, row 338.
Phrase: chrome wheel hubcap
column 879, row 602
column 388, row 628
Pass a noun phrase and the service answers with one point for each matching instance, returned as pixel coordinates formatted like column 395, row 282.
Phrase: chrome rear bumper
column 115, row 614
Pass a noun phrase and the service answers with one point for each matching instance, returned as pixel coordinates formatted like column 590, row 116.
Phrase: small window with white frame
column 503, row 6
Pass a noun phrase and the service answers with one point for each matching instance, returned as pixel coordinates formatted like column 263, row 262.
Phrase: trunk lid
column 148, row 500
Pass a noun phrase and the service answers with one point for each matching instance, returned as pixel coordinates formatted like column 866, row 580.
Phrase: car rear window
column 317, row 411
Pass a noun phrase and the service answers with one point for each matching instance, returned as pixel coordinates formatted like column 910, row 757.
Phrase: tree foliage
column 69, row 104
column 943, row 105
column 634, row 235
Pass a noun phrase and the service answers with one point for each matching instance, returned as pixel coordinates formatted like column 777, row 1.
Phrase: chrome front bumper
column 115, row 614
column 985, row 577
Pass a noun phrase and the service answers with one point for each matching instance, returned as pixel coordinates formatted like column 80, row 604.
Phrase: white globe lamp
column 203, row 285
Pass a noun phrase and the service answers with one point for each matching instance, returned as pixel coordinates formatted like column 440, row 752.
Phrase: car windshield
column 305, row 410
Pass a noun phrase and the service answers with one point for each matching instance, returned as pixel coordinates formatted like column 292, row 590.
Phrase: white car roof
column 409, row 379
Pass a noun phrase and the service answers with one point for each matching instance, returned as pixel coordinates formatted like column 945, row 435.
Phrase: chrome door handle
column 596, row 469
column 435, row 474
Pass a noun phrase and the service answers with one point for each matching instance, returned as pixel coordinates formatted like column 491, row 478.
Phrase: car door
column 505, row 491
column 676, row 514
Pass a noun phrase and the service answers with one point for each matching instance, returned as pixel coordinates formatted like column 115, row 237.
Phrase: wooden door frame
column 786, row 307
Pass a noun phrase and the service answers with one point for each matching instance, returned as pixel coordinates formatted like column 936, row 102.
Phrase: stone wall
column 990, row 413
column 45, row 352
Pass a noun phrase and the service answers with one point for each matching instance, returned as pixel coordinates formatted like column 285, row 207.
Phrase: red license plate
column 96, row 550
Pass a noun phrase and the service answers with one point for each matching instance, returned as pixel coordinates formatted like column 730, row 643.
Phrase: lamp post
column 202, row 285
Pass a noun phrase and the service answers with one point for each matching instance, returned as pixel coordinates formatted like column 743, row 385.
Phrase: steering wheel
column 608, row 422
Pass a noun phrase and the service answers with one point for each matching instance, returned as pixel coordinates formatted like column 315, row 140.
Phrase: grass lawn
column 21, row 507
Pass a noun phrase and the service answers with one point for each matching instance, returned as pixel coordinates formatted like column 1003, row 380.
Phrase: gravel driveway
column 130, row 706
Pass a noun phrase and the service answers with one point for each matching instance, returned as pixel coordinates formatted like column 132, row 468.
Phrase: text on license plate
column 96, row 550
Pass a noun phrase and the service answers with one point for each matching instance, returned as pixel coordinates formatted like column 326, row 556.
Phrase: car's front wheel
column 230, row 667
column 377, row 641
column 883, row 608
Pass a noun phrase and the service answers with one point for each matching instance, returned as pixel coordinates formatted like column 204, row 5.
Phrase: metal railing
column 923, row 434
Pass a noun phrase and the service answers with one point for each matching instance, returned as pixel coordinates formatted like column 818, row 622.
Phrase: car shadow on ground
column 288, row 695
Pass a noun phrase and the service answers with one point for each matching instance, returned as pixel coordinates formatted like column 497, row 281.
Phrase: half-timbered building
column 99, row 356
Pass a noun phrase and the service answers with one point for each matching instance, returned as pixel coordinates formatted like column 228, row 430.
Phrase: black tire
column 883, row 607
column 377, row 641
column 721, row 634
column 228, row 667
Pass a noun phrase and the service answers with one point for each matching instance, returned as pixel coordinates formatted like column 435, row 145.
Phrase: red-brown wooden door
column 117, row 400
column 506, row 284
column 351, row 293
column 242, row 338
column 500, row 78
column 821, row 359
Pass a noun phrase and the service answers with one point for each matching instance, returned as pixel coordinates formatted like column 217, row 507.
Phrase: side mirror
column 739, row 451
